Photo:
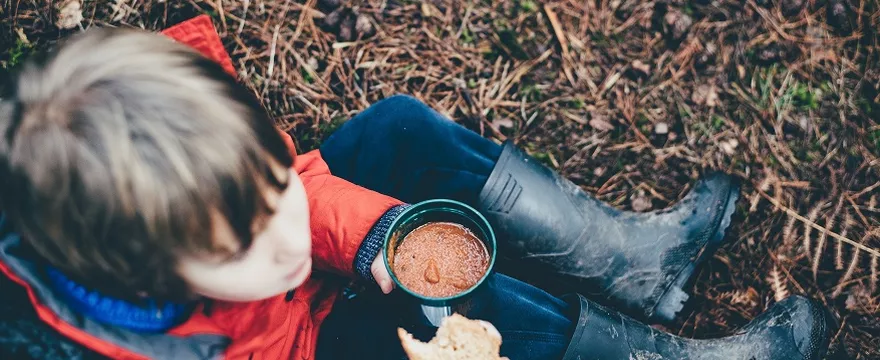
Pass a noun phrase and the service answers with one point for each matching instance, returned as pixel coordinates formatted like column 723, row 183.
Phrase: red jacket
column 341, row 215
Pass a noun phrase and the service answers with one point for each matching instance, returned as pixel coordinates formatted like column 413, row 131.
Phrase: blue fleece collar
column 112, row 311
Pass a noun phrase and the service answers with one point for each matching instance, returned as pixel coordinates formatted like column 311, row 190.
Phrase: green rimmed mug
column 435, row 309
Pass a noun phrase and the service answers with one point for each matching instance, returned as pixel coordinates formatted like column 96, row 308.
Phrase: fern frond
column 838, row 258
column 778, row 284
column 811, row 216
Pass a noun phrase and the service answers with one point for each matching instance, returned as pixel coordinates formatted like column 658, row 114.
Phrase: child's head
column 140, row 168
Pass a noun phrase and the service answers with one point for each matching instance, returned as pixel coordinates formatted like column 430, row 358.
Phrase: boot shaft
column 796, row 328
column 641, row 261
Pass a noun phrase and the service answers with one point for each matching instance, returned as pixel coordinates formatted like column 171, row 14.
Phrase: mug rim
column 490, row 240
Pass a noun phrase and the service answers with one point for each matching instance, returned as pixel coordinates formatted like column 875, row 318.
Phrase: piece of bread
column 458, row 338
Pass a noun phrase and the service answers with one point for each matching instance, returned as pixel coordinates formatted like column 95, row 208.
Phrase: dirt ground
column 633, row 100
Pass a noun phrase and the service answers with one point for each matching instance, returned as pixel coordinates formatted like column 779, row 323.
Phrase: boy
column 151, row 210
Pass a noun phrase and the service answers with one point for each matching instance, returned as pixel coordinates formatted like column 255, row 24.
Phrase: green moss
column 683, row 112
column 804, row 97
column 500, row 23
column 765, row 84
column 600, row 40
column 617, row 166
column 544, row 158
column 327, row 128
column 307, row 76
column 871, row 109
column 874, row 136
column 214, row 15
column 806, row 152
column 643, row 123
column 717, row 123
column 688, row 9
column 528, row 6
column 467, row 37
column 530, row 92
column 16, row 54
column 404, row 69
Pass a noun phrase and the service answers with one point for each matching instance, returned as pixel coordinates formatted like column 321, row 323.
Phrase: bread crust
column 458, row 338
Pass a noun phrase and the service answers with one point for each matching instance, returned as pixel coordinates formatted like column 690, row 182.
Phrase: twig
column 563, row 42
column 820, row 246
column 804, row 220
column 244, row 13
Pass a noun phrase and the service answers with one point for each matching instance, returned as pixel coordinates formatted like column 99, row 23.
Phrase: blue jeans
column 402, row 148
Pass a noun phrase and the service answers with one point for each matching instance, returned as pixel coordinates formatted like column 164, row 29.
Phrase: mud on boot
column 796, row 328
column 639, row 261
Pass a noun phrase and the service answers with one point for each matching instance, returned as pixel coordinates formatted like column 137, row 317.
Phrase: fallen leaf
column 706, row 95
column 364, row 26
column 860, row 299
column 333, row 19
column 661, row 128
column 312, row 63
column 429, row 10
column 502, row 122
column 679, row 23
column 346, row 28
column 599, row 123
column 69, row 15
column 640, row 203
column 641, row 67
column 729, row 146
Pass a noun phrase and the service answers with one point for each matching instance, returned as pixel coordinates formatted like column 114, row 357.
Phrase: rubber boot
column 795, row 328
column 640, row 261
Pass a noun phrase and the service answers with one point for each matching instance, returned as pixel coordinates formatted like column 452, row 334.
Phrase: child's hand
column 380, row 273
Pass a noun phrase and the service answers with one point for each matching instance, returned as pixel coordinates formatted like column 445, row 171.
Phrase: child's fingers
column 380, row 273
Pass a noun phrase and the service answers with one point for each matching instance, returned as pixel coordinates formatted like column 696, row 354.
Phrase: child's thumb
column 380, row 273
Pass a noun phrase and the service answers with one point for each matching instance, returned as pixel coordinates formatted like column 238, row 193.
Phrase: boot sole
column 673, row 299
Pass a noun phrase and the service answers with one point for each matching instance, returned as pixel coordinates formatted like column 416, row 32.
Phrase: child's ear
column 291, row 144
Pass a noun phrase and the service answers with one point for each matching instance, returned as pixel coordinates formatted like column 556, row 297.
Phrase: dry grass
column 630, row 99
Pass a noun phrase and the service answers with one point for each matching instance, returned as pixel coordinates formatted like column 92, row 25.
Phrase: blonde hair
column 117, row 147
